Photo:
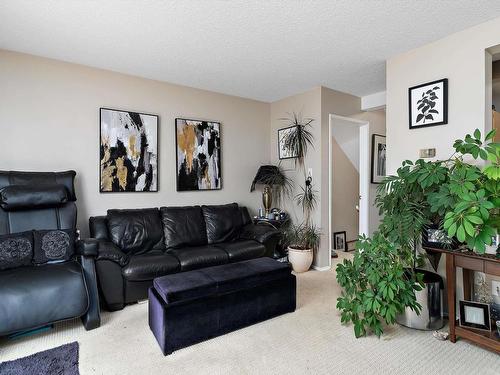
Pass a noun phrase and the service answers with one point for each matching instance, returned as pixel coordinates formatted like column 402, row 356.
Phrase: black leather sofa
column 136, row 246
column 34, row 293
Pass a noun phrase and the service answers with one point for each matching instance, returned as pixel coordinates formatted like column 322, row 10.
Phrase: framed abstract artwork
column 284, row 151
column 128, row 151
column 198, row 157
column 428, row 104
column 378, row 158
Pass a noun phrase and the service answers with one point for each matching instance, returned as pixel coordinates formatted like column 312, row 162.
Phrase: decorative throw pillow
column 53, row 245
column 16, row 250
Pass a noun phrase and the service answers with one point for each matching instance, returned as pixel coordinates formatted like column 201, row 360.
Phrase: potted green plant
column 303, row 238
column 456, row 194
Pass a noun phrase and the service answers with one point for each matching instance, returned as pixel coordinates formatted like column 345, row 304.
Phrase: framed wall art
column 198, row 155
column 378, row 158
column 128, row 151
column 428, row 104
column 284, row 152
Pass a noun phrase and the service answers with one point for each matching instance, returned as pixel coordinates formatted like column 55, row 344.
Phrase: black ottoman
column 189, row 307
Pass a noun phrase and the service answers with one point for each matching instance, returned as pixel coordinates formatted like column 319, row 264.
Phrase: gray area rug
column 62, row 360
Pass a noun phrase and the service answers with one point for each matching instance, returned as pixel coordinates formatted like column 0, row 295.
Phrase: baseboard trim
column 326, row 268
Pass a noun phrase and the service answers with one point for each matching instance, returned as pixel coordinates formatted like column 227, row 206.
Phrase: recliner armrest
column 259, row 233
column 87, row 247
column 107, row 250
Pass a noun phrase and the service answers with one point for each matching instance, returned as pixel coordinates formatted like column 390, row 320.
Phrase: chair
column 34, row 295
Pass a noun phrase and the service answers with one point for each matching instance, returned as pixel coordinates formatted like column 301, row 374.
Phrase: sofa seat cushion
column 148, row 266
column 37, row 295
column 219, row 279
column 192, row 258
column 242, row 250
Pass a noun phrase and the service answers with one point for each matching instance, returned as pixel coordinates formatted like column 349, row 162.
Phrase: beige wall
column 309, row 105
column 377, row 126
column 318, row 104
column 49, row 120
column 345, row 193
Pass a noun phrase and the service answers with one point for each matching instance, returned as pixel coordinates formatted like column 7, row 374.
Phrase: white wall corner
column 373, row 102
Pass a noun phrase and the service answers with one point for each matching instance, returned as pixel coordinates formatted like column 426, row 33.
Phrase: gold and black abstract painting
column 198, row 155
column 128, row 152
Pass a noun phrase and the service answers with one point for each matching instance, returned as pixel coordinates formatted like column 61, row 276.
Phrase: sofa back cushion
column 136, row 231
column 183, row 226
column 223, row 222
column 16, row 250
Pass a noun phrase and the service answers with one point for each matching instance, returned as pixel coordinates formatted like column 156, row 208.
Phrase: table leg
column 450, row 284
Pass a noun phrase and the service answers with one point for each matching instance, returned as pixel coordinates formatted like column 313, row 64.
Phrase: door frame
column 364, row 176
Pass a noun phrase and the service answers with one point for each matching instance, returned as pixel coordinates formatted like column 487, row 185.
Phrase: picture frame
column 428, row 104
column 435, row 237
column 340, row 240
column 475, row 315
column 379, row 159
column 128, row 151
column 283, row 151
column 198, row 155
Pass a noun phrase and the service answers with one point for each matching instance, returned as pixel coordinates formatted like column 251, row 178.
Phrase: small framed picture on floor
column 340, row 241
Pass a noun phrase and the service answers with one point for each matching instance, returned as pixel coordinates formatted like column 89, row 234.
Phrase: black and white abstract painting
column 378, row 158
column 128, row 151
column 284, row 151
column 428, row 104
column 198, row 155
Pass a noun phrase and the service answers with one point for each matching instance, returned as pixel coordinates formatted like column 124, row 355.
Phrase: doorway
column 349, row 179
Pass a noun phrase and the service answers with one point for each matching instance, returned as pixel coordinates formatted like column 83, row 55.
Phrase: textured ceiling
column 261, row 49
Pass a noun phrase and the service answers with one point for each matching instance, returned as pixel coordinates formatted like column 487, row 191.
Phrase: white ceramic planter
column 301, row 260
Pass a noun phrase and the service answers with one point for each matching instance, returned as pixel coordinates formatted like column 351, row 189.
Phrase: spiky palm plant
column 300, row 138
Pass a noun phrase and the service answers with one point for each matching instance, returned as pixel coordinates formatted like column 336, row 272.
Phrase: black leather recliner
column 136, row 246
column 32, row 295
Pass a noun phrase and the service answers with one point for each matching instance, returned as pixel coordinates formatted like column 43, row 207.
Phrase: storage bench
column 190, row 307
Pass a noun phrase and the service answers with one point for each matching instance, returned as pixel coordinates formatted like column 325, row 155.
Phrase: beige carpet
column 309, row 341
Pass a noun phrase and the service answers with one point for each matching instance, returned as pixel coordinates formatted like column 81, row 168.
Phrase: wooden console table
column 469, row 262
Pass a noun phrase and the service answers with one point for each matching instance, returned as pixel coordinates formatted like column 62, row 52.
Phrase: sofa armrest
column 107, row 250
column 259, row 233
column 87, row 247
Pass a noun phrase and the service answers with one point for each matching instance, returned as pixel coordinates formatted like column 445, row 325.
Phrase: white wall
column 49, row 121
column 461, row 58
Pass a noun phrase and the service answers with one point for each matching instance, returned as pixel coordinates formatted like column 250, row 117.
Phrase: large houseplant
column 303, row 238
column 456, row 194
